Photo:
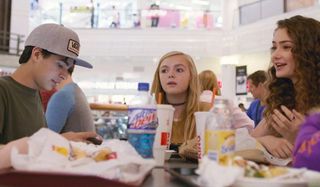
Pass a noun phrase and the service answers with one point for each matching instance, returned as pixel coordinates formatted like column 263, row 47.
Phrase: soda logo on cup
column 140, row 122
column 142, row 119
column 164, row 138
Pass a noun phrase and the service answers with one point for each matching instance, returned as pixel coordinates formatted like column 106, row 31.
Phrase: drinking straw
column 159, row 100
column 214, row 90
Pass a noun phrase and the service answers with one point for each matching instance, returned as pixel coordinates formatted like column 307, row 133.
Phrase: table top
column 158, row 177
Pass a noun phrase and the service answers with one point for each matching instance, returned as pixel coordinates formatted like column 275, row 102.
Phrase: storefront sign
column 241, row 80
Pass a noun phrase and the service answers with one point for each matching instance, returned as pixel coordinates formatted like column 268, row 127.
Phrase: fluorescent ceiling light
column 200, row 2
column 233, row 59
column 181, row 7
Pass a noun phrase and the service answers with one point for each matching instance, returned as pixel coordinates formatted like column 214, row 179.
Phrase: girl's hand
column 278, row 147
column 287, row 124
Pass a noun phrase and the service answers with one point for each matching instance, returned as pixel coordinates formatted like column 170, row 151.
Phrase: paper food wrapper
column 50, row 152
column 250, row 149
column 213, row 174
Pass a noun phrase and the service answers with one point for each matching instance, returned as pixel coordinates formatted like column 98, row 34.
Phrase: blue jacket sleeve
column 251, row 110
column 59, row 107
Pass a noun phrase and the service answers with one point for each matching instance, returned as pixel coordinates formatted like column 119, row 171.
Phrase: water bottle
column 219, row 135
column 142, row 121
column 142, row 97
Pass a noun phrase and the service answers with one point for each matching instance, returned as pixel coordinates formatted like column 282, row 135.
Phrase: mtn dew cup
column 219, row 135
column 142, row 124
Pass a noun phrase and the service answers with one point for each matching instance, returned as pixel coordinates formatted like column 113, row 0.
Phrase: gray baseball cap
column 59, row 40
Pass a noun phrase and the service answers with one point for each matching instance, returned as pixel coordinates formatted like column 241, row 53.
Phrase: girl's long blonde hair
column 192, row 104
column 208, row 81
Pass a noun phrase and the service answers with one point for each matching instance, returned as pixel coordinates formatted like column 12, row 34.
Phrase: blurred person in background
column 257, row 88
column 45, row 97
column 92, row 16
column 208, row 85
column 294, row 84
column 115, row 18
column 50, row 50
column 241, row 106
column 154, row 10
column 68, row 108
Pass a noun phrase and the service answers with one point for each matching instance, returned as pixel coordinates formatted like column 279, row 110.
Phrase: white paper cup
column 201, row 118
column 159, row 155
column 163, row 132
column 168, row 153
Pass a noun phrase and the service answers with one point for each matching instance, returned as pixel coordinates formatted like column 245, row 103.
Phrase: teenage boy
column 50, row 50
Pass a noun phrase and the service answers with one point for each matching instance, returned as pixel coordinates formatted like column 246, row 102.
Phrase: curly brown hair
column 304, row 94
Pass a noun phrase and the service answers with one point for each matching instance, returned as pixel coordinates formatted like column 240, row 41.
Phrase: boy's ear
column 36, row 53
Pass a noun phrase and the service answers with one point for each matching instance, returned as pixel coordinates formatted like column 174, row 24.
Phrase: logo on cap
column 73, row 46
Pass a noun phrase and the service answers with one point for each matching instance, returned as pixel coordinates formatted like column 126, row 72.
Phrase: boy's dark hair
column 26, row 53
column 70, row 70
column 258, row 77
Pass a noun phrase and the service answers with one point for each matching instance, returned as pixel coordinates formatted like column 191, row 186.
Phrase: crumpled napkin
column 212, row 174
column 129, row 167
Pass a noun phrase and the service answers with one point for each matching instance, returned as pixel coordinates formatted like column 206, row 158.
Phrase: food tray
column 53, row 179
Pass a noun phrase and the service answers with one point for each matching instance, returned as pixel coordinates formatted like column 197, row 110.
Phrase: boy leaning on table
column 50, row 50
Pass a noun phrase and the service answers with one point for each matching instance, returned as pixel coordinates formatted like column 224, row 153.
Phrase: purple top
column 307, row 146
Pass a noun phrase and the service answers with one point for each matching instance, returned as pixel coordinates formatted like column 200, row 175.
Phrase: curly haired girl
column 293, row 85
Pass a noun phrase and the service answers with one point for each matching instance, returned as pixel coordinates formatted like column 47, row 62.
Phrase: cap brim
column 82, row 63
